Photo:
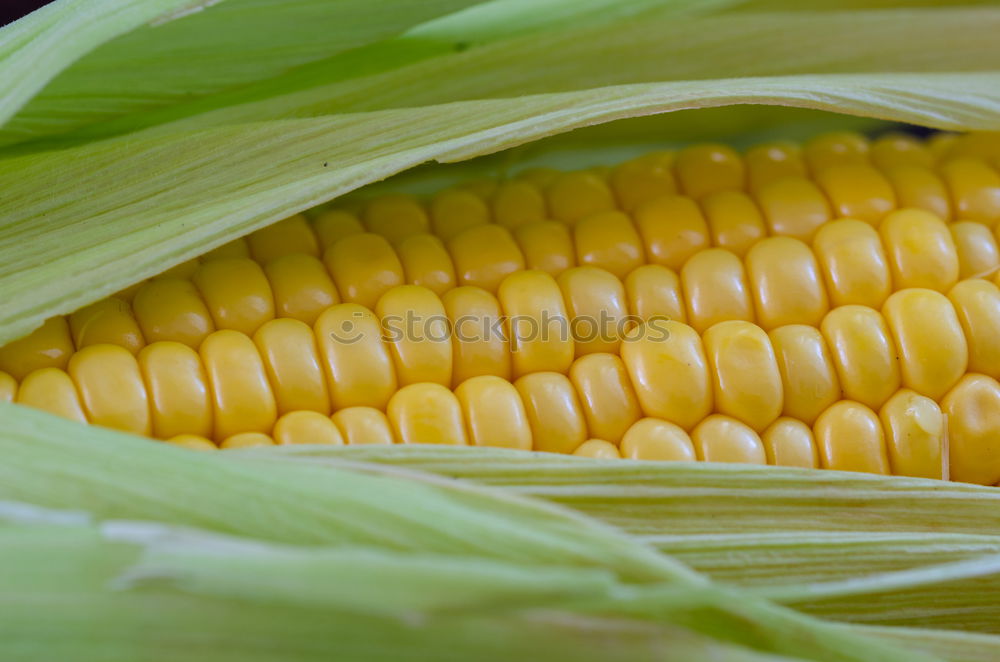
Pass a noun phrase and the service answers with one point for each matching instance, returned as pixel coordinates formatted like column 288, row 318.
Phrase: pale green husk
column 137, row 134
column 347, row 544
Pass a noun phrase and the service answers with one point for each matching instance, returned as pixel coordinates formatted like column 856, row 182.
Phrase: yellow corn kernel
column 915, row 435
column 333, row 225
column 237, row 248
column 786, row 283
column 306, row 427
column 541, row 177
column 395, row 216
column 179, row 398
column 976, row 144
column 864, row 354
column 494, row 413
column 808, row 376
column 598, row 449
column 363, row 426
column 106, row 322
column 416, row 331
column 479, row 334
column 192, row 442
column 454, row 210
column 111, row 388
column 601, row 170
column 518, row 202
column 484, row 187
column 789, row 443
column 793, row 207
column 896, row 149
column 977, row 304
column 642, row 179
column 427, row 414
column 8, row 387
column 920, row 249
column 734, row 220
column 573, row 196
column 540, row 337
column 426, row 262
column 715, row 289
column 364, row 267
column 484, row 255
column 667, row 365
column 183, row 270
column 288, row 349
column 246, row 440
column 654, row 439
column 704, row 169
column 930, row 343
column 855, row 267
column 609, row 402
column 672, row 229
column 597, row 309
column 554, row 412
column 242, row 400
column 236, row 292
column 835, row 148
column 547, row 246
column 746, row 379
column 292, row 235
column 720, row 438
column 128, row 293
column 858, row 191
column 940, row 144
column 51, row 390
column 975, row 190
column 48, row 346
column 172, row 309
column 773, row 161
column 654, row 291
column 973, row 411
column 849, row 437
column 978, row 255
column 919, row 187
column 358, row 367
column 301, row 286
column 608, row 241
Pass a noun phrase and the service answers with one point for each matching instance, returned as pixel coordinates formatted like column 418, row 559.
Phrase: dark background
column 11, row 10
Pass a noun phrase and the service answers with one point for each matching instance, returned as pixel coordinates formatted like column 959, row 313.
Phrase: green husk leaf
column 320, row 496
column 61, row 604
column 271, row 48
column 653, row 46
column 651, row 499
column 850, row 547
column 961, row 595
column 156, row 201
column 60, row 464
column 784, row 557
column 947, row 644
column 36, row 48
column 147, row 562
column 176, row 50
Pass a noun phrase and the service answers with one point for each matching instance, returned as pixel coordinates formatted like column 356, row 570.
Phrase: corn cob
column 802, row 298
